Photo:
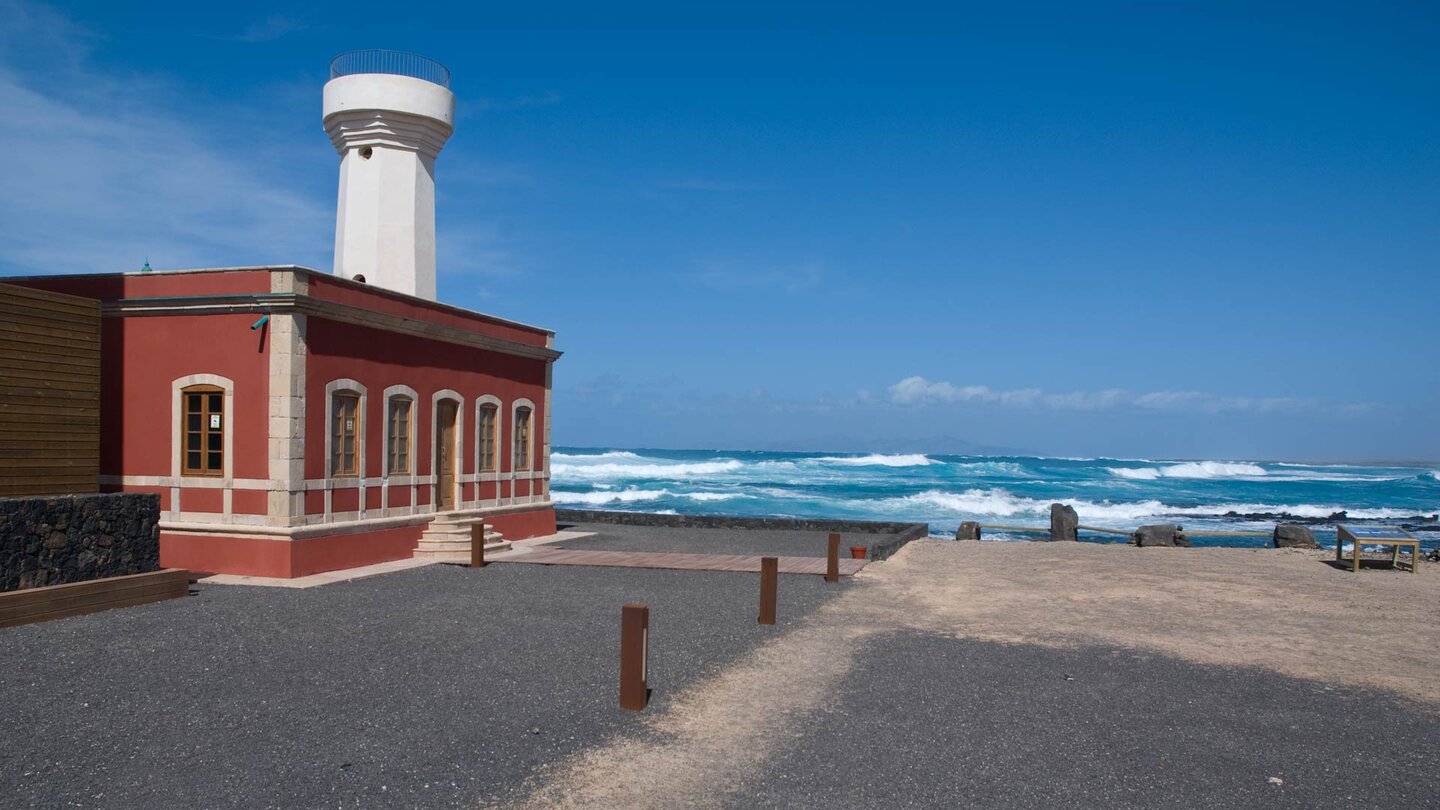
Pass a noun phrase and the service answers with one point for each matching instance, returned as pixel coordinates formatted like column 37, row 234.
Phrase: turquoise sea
column 943, row 490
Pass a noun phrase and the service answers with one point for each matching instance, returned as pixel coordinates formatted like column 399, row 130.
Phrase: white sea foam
column 651, row 468
column 1242, row 471
column 1004, row 504
column 705, row 497
column 1340, row 477
column 992, row 468
column 881, row 460
column 1135, row 473
column 587, row 458
column 635, row 494
column 630, row 495
column 1212, row 469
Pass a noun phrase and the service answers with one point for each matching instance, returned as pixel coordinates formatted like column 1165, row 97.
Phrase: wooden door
column 445, row 455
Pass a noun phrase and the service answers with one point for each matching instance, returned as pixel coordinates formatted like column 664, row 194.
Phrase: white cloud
column 918, row 391
column 105, row 170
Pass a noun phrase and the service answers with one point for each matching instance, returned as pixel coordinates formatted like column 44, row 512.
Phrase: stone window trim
column 480, row 403
column 345, row 386
column 177, row 417
column 391, row 393
column 515, row 408
column 435, row 399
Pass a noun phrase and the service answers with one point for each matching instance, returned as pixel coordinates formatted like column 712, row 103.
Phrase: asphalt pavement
column 432, row 687
column 937, row 722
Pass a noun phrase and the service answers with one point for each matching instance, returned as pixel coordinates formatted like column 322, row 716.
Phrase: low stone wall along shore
column 898, row 533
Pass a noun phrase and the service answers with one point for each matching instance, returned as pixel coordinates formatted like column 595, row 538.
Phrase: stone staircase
column 448, row 537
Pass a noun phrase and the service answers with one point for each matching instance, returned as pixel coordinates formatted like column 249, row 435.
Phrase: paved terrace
column 696, row 548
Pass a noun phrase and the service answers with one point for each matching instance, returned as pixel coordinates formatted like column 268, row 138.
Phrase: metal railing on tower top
column 395, row 63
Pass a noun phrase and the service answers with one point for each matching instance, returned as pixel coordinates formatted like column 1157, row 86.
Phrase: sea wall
column 896, row 535
column 72, row 538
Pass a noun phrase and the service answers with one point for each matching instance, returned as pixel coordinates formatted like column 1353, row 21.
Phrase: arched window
column 345, row 429
column 202, row 421
column 487, row 426
column 399, row 426
column 523, row 413
column 202, row 430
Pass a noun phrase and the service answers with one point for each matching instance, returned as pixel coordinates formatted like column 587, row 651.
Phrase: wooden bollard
column 832, row 562
column 769, row 580
column 477, row 545
column 634, row 655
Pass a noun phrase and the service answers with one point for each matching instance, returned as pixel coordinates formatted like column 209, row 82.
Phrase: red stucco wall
column 141, row 358
column 524, row 525
column 297, row 558
column 378, row 360
column 330, row 288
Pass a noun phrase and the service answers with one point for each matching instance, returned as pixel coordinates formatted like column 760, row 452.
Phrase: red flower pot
column 857, row 552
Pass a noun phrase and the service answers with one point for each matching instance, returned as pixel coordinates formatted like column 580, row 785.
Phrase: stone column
column 287, row 406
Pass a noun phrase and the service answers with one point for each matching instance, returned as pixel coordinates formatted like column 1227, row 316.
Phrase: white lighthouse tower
column 388, row 114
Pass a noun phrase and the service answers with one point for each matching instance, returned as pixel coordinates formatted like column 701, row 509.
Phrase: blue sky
column 1204, row 231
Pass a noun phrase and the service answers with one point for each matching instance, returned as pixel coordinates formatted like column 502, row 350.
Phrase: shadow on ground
column 926, row 721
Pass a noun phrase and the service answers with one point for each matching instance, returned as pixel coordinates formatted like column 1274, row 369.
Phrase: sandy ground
column 1286, row 611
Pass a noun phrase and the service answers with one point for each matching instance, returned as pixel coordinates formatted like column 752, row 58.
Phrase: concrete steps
column 448, row 536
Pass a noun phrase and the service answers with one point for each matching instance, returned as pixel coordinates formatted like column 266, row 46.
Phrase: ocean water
column 944, row 490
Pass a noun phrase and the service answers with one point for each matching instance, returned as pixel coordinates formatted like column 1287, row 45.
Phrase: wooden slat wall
column 49, row 392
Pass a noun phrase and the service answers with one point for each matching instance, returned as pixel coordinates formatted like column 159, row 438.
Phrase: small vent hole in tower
column 366, row 152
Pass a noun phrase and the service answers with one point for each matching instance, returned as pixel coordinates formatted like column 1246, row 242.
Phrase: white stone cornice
column 357, row 128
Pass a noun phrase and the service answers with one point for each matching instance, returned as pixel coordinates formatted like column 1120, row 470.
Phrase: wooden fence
column 1123, row 532
column 49, row 393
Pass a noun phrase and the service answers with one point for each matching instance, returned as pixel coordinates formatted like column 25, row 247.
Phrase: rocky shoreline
column 1413, row 523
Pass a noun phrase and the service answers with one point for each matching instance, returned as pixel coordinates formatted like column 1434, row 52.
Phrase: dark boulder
column 1063, row 522
column 1289, row 535
column 969, row 530
column 1163, row 534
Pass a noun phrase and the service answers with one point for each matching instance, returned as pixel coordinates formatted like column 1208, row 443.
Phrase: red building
column 294, row 422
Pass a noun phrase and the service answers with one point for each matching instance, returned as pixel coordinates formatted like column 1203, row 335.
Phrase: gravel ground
column 928, row 721
column 610, row 537
column 417, row 688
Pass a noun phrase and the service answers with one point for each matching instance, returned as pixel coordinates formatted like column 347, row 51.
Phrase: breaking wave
column 1245, row 471
column 1192, row 469
column 612, row 496
column 943, row 490
column 586, row 458
column 592, row 472
column 633, row 495
column 1002, row 503
column 881, row 460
